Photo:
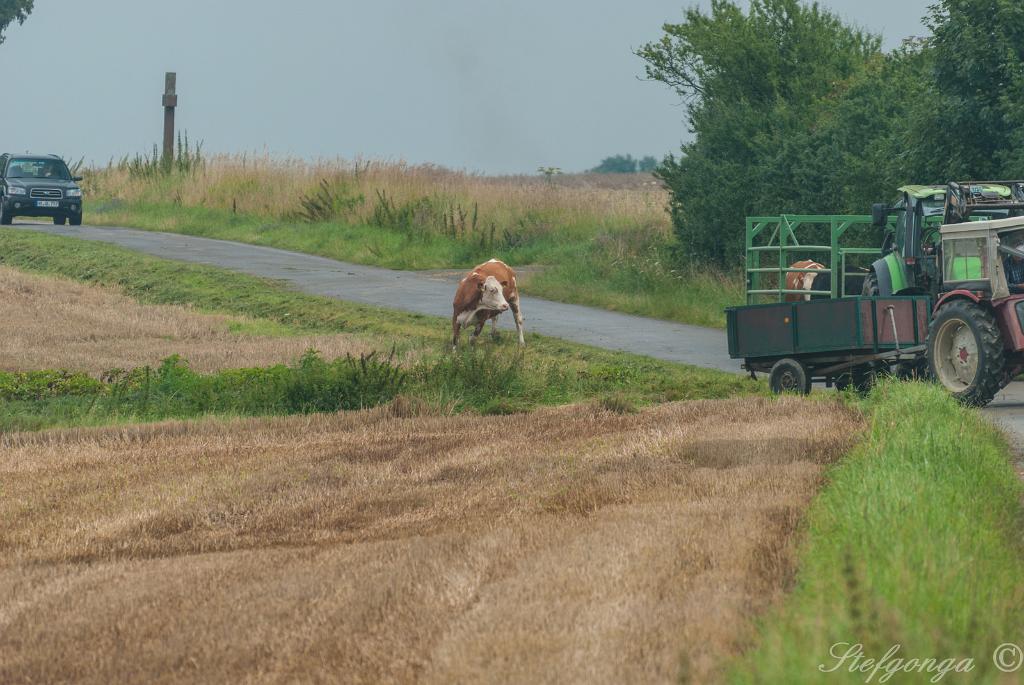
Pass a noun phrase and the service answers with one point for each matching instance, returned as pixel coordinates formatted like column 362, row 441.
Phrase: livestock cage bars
column 786, row 239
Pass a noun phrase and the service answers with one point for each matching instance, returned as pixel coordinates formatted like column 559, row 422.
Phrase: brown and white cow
column 801, row 280
column 487, row 291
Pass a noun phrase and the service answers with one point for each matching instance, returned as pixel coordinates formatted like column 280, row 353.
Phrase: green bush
column 477, row 377
column 40, row 385
column 174, row 390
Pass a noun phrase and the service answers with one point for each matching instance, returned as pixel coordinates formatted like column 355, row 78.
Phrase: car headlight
column 75, row 192
column 16, row 190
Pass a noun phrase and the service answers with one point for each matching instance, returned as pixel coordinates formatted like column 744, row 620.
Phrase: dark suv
column 39, row 185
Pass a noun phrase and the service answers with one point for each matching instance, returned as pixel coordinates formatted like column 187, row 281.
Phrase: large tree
column 976, row 100
column 13, row 10
column 754, row 83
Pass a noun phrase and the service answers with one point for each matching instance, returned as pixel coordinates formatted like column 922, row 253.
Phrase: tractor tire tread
column 991, row 376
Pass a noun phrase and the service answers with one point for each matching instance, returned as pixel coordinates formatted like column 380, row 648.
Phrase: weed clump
column 618, row 403
column 332, row 199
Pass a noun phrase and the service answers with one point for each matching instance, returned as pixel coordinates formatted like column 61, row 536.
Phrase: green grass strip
column 916, row 543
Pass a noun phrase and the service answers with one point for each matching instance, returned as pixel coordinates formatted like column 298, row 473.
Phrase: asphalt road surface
column 432, row 294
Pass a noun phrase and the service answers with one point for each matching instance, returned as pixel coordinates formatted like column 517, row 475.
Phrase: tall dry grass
column 273, row 187
column 52, row 323
column 568, row 545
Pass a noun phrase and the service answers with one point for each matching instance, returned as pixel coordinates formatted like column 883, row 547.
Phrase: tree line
column 625, row 164
column 794, row 111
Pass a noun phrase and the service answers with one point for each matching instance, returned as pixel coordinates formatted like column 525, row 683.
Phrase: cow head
column 491, row 295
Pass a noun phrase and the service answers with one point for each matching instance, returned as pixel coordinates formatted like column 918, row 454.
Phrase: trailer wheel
column 965, row 352
column 789, row 375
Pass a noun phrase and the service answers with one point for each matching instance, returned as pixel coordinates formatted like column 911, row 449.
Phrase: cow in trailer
column 853, row 283
column 801, row 280
column 486, row 292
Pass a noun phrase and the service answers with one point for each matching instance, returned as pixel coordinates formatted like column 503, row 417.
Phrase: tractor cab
column 985, row 257
column 910, row 234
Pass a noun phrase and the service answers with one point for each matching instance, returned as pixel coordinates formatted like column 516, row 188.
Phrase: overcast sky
column 475, row 84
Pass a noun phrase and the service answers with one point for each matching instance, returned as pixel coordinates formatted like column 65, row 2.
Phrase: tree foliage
column 625, row 164
column 792, row 111
column 616, row 164
column 13, row 10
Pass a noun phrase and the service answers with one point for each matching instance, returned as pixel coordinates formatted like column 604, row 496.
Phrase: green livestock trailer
column 829, row 332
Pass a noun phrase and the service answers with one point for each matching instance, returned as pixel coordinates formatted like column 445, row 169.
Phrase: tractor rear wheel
column 965, row 352
column 789, row 375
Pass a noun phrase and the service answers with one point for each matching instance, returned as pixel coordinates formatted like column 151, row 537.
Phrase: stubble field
column 566, row 545
column 60, row 324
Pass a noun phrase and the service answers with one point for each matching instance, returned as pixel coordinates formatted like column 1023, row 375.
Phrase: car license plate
column 47, row 203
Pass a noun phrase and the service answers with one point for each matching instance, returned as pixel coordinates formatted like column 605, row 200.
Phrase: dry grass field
column 268, row 186
column 567, row 545
column 57, row 323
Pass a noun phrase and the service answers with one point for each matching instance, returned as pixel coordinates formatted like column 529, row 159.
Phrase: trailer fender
column 891, row 274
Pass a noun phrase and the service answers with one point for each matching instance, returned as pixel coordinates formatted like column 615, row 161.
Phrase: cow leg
column 494, row 328
column 456, row 327
column 518, row 315
column 479, row 327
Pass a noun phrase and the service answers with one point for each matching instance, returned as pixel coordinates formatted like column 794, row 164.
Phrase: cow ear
column 504, row 284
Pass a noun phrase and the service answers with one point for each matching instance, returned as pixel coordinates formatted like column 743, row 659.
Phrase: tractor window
column 964, row 259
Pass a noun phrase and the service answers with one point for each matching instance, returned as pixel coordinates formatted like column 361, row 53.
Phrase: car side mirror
column 76, row 179
column 879, row 215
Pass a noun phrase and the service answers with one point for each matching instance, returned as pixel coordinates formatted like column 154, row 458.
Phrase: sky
column 481, row 85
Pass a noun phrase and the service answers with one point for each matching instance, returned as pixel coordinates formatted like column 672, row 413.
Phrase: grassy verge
column 583, row 262
column 915, row 542
column 496, row 378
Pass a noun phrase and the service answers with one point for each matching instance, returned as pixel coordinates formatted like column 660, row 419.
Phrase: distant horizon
column 479, row 87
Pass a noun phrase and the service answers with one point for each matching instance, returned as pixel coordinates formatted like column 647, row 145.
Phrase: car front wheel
column 75, row 220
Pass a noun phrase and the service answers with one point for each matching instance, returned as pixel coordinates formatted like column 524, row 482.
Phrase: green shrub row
column 313, row 384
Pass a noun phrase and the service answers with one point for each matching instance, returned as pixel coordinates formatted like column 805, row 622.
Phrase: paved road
column 415, row 292
column 432, row 294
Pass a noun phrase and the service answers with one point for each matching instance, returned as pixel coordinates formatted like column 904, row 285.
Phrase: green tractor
column 910, row 231
column 963, row 245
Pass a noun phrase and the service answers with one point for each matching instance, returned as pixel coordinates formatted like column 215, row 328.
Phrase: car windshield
column 53, row 169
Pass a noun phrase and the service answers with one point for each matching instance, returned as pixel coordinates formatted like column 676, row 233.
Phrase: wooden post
column 170, row 102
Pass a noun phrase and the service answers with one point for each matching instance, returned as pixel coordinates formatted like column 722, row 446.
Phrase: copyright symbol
column 1008, row 657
